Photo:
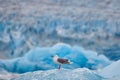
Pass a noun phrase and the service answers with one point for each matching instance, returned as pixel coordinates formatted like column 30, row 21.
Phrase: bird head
column 54, row 56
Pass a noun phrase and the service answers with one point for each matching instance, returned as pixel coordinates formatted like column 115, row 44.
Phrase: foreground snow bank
column 40, row 59
column 63, row 74
column 111, row 72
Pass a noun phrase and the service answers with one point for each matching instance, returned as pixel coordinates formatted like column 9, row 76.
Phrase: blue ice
column 39, row 58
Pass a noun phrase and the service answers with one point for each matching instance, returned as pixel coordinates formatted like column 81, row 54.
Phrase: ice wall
column 93, row 24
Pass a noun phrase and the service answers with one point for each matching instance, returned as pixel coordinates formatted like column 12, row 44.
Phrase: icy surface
column 93, row 24
column 63, row 74
column 111, row 71
column 40, row 59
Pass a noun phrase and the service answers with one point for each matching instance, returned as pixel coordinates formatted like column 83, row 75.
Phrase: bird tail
column 69, row 62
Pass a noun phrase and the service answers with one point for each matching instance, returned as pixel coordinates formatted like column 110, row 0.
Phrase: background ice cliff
column 93, row 24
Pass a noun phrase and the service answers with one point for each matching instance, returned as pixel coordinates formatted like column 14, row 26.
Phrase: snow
column 111, row 71
column 40, row 58
column 66, row 74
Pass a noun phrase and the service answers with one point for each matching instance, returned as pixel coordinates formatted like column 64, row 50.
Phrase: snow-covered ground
column 63, row 74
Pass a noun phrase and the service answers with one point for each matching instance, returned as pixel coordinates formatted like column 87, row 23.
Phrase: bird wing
column 63, row 61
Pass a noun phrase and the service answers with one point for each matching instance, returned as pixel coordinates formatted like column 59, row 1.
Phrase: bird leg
column 59, row 66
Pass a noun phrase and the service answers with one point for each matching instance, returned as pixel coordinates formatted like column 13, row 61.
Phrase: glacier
column 40, row 59
column 85, row 31
column 25, row 24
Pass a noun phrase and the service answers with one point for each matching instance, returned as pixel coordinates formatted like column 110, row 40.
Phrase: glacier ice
column 35, row 26
column 63, row 74
column 39, row 58
column 26, row 24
